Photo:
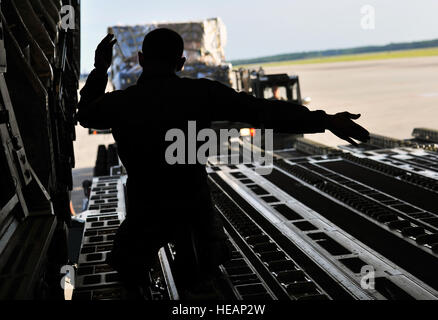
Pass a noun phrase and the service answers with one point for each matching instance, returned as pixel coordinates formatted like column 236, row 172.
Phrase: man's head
column 276, row 92
column 163, row 48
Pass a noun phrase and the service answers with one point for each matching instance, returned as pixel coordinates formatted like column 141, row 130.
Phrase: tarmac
column 394, row 97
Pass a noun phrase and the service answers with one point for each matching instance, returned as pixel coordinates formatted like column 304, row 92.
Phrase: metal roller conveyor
column 327, row 226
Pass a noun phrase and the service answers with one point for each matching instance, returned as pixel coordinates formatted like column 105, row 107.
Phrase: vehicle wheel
column 101, row 168
column 113, row 157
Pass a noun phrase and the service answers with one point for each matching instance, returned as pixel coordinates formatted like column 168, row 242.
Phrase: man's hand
column 343, row 126
column 104, row 53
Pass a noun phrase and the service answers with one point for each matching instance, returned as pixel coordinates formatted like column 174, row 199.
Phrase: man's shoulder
column 206, row 84
column 132, row 90
column 200, row 81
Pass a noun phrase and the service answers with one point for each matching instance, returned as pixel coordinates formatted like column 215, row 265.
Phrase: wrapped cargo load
column 205, row 43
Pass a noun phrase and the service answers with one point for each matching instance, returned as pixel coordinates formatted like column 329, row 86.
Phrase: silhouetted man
column 169, row 203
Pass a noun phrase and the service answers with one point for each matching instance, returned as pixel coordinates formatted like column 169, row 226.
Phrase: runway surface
column 393, row 96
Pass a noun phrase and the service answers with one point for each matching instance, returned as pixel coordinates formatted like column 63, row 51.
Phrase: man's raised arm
column 96, row 109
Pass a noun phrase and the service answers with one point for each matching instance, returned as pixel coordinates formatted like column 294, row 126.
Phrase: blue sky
column 258, row 28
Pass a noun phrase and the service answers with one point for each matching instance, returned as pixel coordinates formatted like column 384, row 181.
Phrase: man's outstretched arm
column 281, row 116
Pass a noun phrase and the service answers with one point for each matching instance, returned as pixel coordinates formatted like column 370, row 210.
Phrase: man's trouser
column 200, row 246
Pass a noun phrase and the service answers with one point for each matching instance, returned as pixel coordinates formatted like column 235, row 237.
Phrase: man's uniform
column 170, row 202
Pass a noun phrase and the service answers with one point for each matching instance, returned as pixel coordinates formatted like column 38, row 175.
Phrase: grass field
column 353, row 57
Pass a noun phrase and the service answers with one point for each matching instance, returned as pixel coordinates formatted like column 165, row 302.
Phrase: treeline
column 337, row 52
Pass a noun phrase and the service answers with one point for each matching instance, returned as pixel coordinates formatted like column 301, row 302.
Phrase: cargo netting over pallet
column 205, row 43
